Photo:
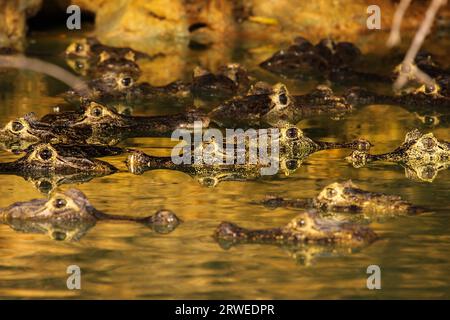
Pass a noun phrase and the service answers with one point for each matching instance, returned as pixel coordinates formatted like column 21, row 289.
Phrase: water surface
column 126, row 260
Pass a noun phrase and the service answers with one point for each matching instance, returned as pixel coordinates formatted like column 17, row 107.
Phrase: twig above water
column 419, row 37
column 22, row 62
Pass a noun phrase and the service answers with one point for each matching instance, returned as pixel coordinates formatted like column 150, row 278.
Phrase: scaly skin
column 293, row 148
column 275, row 106
column 424, row 96
column 69, row 215
column 421, row 154
column 325, row 60
column 307, row 228
column 18, row 134
column 348, row 197
column 110, row 127
column 230, row 80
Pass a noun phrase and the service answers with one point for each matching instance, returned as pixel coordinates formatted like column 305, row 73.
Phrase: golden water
column 126, row 260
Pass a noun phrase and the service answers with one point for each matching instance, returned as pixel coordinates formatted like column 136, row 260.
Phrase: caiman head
column 300, row 60
column 69, row 215
column 79, row 65
column 80, row 48
column 47, row 158
column 110, row 84
column 280, row 110
column 63, row 206
column 425, row 149
column 307, row 227
column 348, row 197
column 95, row 113
column 18, row 133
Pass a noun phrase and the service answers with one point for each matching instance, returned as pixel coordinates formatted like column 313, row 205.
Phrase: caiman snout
column 163, row 221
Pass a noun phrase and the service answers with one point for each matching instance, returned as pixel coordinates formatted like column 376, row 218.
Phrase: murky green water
column 126, row 260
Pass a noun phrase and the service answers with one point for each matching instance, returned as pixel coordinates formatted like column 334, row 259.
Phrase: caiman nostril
column 429, row 143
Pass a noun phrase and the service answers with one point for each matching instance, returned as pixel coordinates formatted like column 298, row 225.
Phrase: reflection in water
column 347, row 197
column 422, row 155
column 127, row 260
column 242, row 156
column 48, row 166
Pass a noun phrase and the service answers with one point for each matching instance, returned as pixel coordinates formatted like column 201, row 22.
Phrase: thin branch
column 22, row 62
column 419, row 37
column 394, row 36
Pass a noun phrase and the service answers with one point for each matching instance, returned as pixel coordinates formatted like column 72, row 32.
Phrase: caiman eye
column 363, row 145
column 301, row 223
column 46, row 154
column 79, row 48
column 428, row 120
column 291, row 164
column 331, row 193
column 430, row 88
column 60, row 203
column 292, row 133
column 17, row 126
column 283, row 98
column 126, row 82
column 79, row 65
column 96, row 112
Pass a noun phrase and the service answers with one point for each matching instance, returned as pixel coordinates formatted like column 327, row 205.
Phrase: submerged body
column 348, row 197
column 327, row 59
column 306, row 228
column 103, row 125
column 210, row 163
column 275, row 106
column 48, row 166
column 120, row 84
column 424, row 96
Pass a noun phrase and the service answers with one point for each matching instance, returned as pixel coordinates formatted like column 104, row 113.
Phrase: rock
column 13, row 15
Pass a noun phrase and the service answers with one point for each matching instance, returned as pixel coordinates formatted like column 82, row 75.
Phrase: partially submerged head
column 307, row 227
column 310, row 227
column 63, row 206
column 425, row 148
column 163, row 221
column 348, row 197
column 26, row 128
column 81, row 48
column 45, row 157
